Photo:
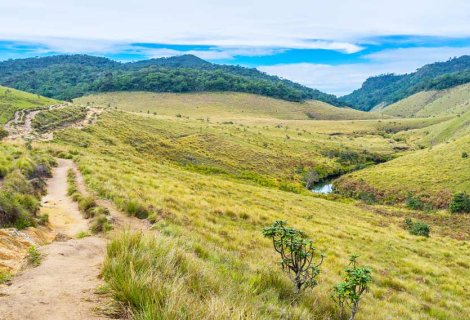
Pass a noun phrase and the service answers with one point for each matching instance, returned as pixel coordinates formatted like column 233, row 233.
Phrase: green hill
column 431, row 103
column 390, row 88
column 70, row 76
column 12, row 100
column 226, row 106
column 431, row 174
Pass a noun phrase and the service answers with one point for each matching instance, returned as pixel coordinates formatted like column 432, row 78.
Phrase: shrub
column 349, row 292
column 413, row 202
column 464, row 155
column 460, row 203
column 417, row 228
column 297, row 254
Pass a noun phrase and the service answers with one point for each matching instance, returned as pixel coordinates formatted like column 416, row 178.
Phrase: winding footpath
column 63, row 285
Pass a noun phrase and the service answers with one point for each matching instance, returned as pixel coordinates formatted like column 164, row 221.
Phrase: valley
column 151, row 205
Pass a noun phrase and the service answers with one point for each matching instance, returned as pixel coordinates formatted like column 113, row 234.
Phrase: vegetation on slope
column 390, row 88
column 271, row 155
column 229, row 106
column 430, row 175
column 55, row 118
column 453, row 128
column 70, row 76
column 203, row 259
column 432, row 103
column 22, row 174
column 12, row 100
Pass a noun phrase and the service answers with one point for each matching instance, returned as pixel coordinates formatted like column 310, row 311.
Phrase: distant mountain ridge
column 69, row 76
column 389, row 88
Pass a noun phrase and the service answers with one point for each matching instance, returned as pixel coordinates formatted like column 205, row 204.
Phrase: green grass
column 203, row 259
column 433, row 174
column 432, row 103
column 269, row 155
column 222, row 106
column 12, row 100
column 52, row 119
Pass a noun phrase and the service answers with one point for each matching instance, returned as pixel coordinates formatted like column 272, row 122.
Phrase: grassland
column 431, row 103
column 211, row 186
column 433, row 174
column 12, row 100
column 270, row 154
column 227, row 106
column 52, row 119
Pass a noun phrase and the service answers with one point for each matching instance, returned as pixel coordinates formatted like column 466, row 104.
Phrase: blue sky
column 331, row 46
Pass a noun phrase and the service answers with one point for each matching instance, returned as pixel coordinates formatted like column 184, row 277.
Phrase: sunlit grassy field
column 12, row 100
column 224, row 105
column 432, row 103
column 206, row 257
column 434, row 173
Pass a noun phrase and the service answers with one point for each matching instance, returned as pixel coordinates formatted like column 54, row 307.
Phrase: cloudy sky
column 330, row 45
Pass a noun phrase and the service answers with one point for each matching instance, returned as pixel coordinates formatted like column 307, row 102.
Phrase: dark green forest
column 66, row 77
column 390, row 88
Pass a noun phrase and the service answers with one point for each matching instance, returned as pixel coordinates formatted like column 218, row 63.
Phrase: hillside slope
column 203, row 256
column 432, row 174
column 390, row 88
column 12, row 100
column 431, row 103
column 70, row 76
column 226, row 106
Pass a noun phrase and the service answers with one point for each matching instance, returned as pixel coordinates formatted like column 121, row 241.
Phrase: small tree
column 297, row 254
column 349, row 292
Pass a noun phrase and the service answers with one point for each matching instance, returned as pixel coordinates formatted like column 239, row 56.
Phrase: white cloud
column 344, row 78
column 335, row 24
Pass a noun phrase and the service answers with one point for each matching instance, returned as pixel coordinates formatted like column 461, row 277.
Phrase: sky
column 329, row 45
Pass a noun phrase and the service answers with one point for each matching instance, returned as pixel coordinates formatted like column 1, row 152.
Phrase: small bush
column 349, row 292
column 414, row 202
column 417, row 228
column 464, row 155
column 297, row 254
column 460, row 203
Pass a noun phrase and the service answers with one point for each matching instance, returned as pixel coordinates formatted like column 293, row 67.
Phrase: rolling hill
column 433, row 175
column 12, row 100
column 70, row 76
column 227, row 106
column 387, row 89
column 432, row 103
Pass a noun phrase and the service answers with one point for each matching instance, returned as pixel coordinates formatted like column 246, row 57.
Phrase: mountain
column 389, row 88
column 69, row 76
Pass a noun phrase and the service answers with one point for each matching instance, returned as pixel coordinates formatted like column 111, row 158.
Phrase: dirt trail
column 21, row 125
column 63, row 286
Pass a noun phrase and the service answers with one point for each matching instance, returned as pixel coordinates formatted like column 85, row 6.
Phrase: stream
column 324, row 187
